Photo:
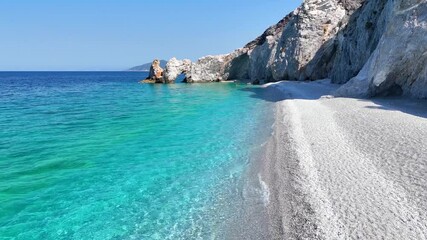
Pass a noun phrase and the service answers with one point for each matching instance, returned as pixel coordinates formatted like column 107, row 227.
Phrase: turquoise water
column 100, row 156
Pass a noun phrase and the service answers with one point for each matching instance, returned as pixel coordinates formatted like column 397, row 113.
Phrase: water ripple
column 100, row 156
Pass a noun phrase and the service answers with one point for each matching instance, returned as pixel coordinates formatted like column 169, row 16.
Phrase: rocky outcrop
column 285, row 50
column 209, row 69
column 206, row 69
column 176, row 67
column 156, row 73
column 297, row 56
column 263, row 51
column 249, row 62
column 377, row 47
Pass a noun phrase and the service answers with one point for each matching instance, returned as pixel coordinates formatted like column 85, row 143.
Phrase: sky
column 107, row 35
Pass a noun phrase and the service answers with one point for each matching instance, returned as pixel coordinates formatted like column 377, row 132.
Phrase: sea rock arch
column 176, row 67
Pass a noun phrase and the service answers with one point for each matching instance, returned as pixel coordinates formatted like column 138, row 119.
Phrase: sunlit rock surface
column 377, row 47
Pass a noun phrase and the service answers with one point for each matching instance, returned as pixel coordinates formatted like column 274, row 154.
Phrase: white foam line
column 265, row 191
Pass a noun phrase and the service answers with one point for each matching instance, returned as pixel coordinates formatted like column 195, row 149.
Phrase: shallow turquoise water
column 100, row 156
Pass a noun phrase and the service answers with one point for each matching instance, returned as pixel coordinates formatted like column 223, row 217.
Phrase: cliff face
column 377, row 47
column 253, row 61
column 355, row 43
column 398, row 65
column 297, row 55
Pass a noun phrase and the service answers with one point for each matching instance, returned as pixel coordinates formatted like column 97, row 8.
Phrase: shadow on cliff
column 337, row 59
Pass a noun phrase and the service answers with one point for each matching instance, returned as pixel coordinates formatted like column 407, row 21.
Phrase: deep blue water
column 97, row 155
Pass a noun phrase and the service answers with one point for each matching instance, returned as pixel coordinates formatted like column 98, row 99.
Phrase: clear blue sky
column 116, row 35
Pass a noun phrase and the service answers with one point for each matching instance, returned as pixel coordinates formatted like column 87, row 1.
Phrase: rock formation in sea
column 397, row 63
column 156, row 73
column 373, row 47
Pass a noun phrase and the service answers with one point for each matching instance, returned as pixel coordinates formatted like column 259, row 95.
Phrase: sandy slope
column 341, row 168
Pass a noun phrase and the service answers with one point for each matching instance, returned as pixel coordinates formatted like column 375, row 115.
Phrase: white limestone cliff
column 399, row 63
column 377, row 47
column 297, row 50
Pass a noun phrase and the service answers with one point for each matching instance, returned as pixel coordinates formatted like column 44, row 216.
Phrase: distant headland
column 146, row 67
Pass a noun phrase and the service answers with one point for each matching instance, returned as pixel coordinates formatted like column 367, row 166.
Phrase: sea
column 98, row 155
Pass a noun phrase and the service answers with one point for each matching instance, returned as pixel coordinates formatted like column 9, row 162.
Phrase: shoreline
column 249, row 218
column 341, row 168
